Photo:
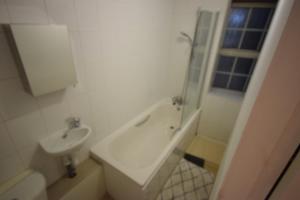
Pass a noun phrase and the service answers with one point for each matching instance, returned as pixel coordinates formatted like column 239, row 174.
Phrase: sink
column 65, row 141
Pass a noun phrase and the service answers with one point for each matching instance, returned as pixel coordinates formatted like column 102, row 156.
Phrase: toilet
column 31, row 187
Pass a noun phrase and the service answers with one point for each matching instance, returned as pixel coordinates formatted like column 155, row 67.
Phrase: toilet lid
column 28, row 188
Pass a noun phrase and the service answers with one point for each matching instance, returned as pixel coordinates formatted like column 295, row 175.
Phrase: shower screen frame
column 202, row 64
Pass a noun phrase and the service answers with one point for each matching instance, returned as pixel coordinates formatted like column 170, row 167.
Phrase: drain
column 172, row 127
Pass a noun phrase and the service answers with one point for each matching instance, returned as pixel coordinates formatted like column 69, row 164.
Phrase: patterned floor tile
column 190, row 196
column 187, row 182
column 167, row 194
column 202, row 194
column 188, row 186
column 177, row 190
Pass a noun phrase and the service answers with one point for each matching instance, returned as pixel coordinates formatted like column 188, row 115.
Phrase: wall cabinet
column 44, row 55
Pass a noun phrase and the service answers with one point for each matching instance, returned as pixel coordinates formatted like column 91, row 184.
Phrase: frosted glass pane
column 199, row 55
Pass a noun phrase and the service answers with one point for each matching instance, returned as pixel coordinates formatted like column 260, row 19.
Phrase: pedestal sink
column 64, row 143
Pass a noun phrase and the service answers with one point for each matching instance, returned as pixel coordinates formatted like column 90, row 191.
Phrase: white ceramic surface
column 114, row 85
column 58, row 145
column 139, row 156
column 31, row 187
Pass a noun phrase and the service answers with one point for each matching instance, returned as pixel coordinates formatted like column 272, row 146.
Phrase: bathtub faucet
column 177, row 100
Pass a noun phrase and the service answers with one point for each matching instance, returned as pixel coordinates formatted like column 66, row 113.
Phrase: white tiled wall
column 121, row 51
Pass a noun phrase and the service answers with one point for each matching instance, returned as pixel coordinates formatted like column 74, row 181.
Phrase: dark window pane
column 243, row 65
column 251, row 40
column 232, row 39
column 221, row 80
column 262, row 41
column 271, row 17
column 225, row 63
column 237, row 83
column 238, row 17
column 259, row 18
column 246, row 84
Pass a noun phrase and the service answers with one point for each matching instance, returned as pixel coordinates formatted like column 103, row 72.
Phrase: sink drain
column 172, row 127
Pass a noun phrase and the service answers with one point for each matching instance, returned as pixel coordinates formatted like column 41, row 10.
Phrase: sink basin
column 58, row 145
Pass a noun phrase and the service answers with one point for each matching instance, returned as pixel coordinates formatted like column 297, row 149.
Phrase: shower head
column 187, row 37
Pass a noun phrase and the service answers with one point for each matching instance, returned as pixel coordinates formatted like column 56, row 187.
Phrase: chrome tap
column 74, row 122
column 177, row 100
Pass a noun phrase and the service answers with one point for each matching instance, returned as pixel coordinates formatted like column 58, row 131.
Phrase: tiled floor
column 187, row 182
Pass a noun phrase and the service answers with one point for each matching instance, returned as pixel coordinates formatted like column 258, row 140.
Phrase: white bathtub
column 139, row 157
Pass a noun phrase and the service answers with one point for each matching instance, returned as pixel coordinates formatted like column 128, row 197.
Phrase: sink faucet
column 74, row 122
column 177, row 100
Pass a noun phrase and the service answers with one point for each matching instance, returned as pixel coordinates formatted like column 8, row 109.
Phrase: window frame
column 238, row 52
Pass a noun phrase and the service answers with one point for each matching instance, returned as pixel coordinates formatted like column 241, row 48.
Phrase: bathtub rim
column 101, row 151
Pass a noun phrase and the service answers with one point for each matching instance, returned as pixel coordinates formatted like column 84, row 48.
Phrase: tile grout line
column 185, row 166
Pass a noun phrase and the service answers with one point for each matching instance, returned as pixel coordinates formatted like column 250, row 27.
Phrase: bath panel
column 138, row 160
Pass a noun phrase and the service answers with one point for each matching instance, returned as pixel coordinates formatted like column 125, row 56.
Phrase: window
column 247, row 26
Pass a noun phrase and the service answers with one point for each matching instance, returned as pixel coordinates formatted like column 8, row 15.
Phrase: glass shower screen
column 196, row 70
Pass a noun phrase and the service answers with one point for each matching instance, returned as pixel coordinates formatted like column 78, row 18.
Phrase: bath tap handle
column 177, row 100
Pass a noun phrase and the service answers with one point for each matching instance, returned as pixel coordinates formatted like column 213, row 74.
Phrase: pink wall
column 273, row 129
